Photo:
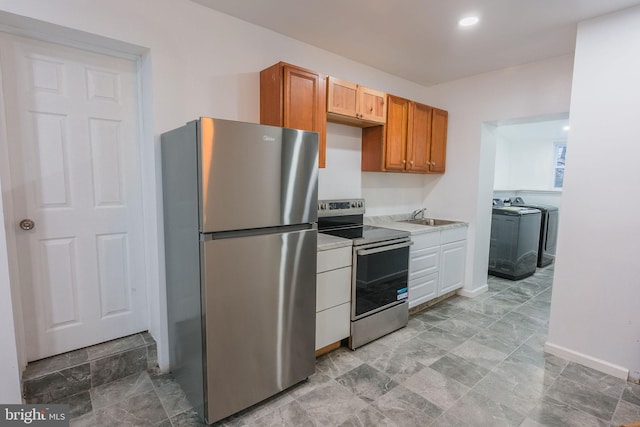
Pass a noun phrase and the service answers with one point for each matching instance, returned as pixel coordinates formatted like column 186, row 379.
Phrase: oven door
column 380, row 276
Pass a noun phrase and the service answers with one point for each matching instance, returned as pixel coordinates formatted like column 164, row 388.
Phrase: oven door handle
column 363, row 252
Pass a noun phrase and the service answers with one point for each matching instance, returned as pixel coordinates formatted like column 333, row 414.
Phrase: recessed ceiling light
column 468, row 21
column 566, row 128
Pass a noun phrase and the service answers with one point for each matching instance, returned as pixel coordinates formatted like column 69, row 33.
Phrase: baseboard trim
column 474, row 293
column 588, row 361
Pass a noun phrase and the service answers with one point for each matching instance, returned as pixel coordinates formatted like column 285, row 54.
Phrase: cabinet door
column 452, row 261
column 396, row 132
column 332, row 325
column 342, row 97
column 423, row 289
column 372, row 105
column 304, row 104
column 419, row 137
column 438, row 140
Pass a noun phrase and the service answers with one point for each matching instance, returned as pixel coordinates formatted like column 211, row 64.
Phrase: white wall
column 596, row 293
column 501, row 177
column 528, row 164
column 341, row 178
column 392, row 193
column 475, row 104
column 525, row 156
column 9, row 370
column 532, row 165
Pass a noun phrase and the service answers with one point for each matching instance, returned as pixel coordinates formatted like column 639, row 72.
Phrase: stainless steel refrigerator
column 240, row 213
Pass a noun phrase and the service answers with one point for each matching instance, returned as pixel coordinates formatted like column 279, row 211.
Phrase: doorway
column 73, row 193
column 530, row 155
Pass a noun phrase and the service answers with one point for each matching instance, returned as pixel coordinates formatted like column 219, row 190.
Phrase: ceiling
column 419, row 40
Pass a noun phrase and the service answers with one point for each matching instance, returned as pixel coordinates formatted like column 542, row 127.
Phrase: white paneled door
column 71, row 121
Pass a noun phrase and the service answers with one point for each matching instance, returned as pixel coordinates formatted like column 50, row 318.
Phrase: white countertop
column 327, row 241
column 418, row 228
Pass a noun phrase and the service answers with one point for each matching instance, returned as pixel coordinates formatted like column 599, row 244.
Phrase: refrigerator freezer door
column 259, row 299
column 254, row 176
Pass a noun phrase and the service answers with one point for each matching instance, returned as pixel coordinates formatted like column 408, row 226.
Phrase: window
column 558, row 165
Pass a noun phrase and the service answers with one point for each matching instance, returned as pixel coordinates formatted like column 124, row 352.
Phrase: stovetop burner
column 344, row 218
column 366, row 234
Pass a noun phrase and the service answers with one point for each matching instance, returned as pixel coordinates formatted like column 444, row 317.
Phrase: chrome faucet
column 417, row 212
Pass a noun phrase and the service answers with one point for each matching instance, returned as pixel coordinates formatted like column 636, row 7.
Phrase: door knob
column 27, row 224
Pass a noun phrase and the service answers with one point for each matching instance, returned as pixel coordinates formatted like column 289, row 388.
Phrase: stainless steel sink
column 430, row 222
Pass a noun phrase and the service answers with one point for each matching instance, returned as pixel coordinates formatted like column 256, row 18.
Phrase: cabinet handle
column 411, row 162
column 404, row 162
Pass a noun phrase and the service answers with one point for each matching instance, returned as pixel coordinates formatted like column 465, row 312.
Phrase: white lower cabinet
column 436, row 264
column 333, row 296
column 333, row 325
column 452, row 260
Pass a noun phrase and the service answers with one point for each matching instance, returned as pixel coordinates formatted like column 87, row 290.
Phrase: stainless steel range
column 380, row 269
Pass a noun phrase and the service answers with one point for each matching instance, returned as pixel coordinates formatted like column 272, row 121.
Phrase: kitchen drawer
column 333, row 259
column 333, row 288
column 423, row 289
column 333, row 324
column 453, row 235
column 423, row 262
column 425, row 240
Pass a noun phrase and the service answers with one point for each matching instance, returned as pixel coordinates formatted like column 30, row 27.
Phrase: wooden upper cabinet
column 438, row 140
column 342, row 97
column 419, row 138
column 372, row 105
column 294, row 97
column 413, row 140
column 396, row 134
column 356, row 105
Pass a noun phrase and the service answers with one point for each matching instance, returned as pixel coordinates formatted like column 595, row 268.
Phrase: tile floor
column 70, row 376
column 464, row 362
